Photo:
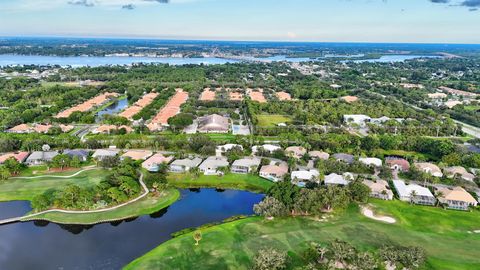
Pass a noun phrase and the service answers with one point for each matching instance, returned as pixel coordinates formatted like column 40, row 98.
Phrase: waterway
column 115, row 108
column 43, row 245
column 82, row 61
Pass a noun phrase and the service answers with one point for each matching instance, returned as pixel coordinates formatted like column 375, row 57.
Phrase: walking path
column 33, row 216
column 89, row 168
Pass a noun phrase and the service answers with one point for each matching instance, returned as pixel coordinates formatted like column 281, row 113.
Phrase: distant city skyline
column 402, row 21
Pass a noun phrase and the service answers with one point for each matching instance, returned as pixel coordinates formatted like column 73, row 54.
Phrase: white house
column 266, row 147
column 184, row 165
column 358, row 119
column 301, row 177
column 211, row 165
column 245, row 165
column 372, row 162
column 336, row 179
column 414, row 193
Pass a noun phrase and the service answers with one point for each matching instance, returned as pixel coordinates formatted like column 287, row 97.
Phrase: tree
column 195, row 172
column 41, row 202
column 4, row 173
column 270, row 259
column 75, row 162
column 385, row 172
column 109, row 162
column 359, row 192
column 270, row 207
column 180, row 121
column 285, row 192
column 197, row 236
column 342, row 252
column 61, row 161
column 365, row 261
column 13, row 165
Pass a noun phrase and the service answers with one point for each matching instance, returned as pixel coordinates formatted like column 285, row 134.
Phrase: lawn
column 25, row 189
column 444, row 235
column 145, row 206
column 229, row 181
column 472, row 107
column 272, row 120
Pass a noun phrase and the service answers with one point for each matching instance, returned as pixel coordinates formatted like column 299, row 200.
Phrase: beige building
column 456, row 198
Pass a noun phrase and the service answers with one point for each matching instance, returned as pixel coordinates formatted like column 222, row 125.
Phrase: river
column 82, row 61
column 43, row 245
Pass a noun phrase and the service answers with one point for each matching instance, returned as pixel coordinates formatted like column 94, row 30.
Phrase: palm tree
column 413, row 194
column 195, row 172
column 197, row 236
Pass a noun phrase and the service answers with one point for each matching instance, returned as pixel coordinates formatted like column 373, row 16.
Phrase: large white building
column 414, row 193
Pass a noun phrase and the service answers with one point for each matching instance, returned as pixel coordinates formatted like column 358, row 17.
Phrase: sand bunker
column 369, row 213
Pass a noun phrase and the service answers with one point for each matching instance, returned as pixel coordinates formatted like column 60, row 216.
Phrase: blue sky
column 449, row 21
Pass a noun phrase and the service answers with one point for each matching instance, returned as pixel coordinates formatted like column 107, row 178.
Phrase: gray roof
column 187, row 162
column 247, row 162
column 76, row 153
column 105, row 153
column 40, row 155
column 344, row 157
column 214, row 162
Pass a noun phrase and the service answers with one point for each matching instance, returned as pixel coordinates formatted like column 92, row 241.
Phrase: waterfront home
column 213, row 124
column 315, row 155
column 245, row 165
column 397, row 164
column 451, row 172
column 429, row 168
column 300, row 178
column 357, row 119
column 184, row 165
column 379, row 189
column 295, row 151
column 266, row 147
column 137, row 154
column 274, row 172
column 371, row 162
column 336, row 179
column 81, row 154
column 222, row 149
column 152, row 164
column 414, row 193
column 341, row 157
column 40, row 157
column 101, row 154
column 19, row 156
column 455, row 198
column 211, row 165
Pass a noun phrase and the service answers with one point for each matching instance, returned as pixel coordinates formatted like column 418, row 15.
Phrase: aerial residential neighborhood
column 263, row 135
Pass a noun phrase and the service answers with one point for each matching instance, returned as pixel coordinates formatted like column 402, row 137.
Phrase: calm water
column 14, row 209
column 111, row 246
column 394, row 58
column 115, row 108
column 80, row 61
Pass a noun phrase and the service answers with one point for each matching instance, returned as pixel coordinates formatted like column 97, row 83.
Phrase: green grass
column 272, row 120
column 443, row 234
column 472, row 107
column 145, row 206
column 25, row 189
column 229, row 181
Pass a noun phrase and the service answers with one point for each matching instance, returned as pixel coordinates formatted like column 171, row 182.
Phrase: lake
column 82, row 61
column 43, row 245
column 115, row 108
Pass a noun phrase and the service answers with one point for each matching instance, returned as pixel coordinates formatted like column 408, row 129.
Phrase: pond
column 115, row 108
column 14, row 209
column 43, row 245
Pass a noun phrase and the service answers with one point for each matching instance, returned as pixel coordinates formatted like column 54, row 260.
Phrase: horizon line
column 225, row 40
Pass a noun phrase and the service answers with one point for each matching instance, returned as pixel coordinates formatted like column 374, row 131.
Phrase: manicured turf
column 444, row 235
column 145, row 206
column 26, row 189
column 272, row 120
column 229, row 181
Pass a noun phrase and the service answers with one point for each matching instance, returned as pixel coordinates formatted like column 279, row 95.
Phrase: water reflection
column 44, row 245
